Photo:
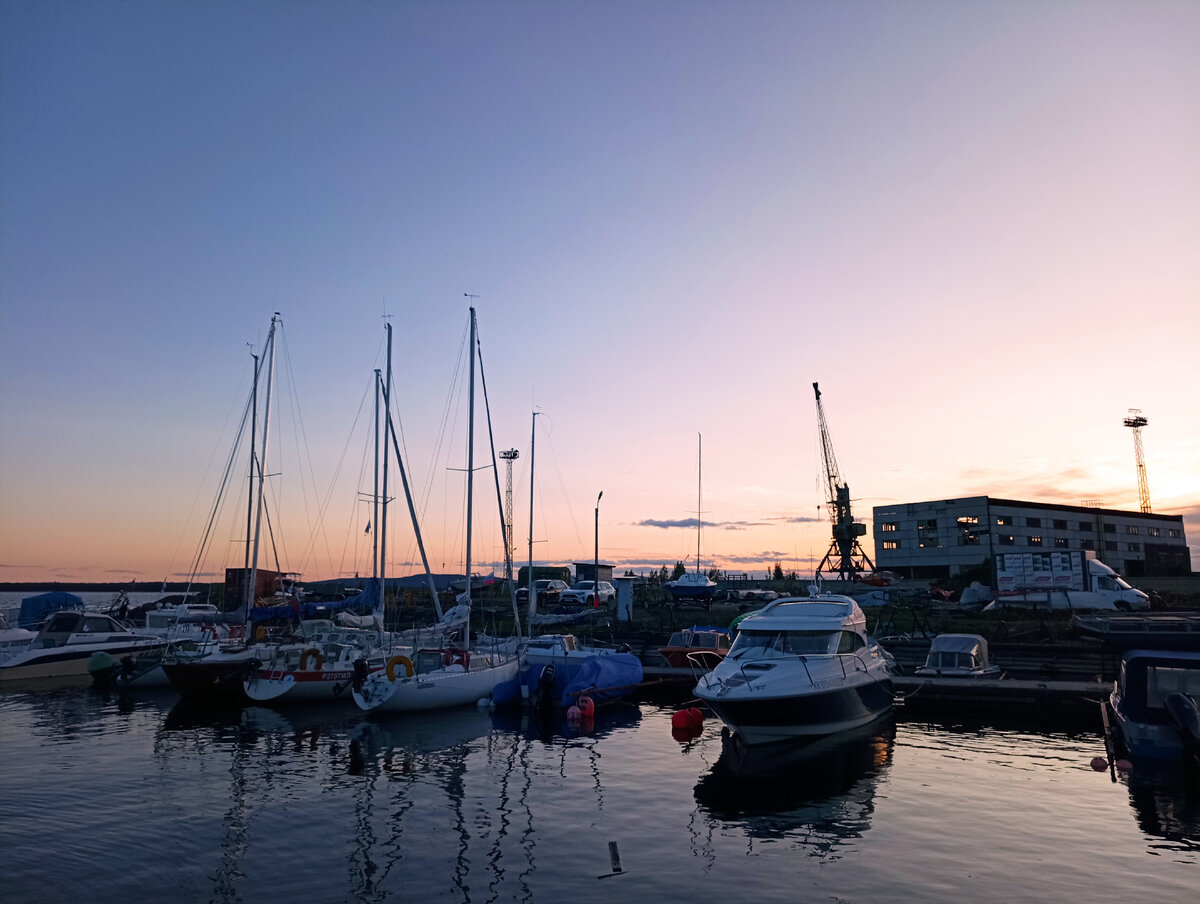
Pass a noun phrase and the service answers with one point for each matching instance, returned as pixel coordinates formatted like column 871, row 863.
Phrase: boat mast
column 699, row 473
column 253, row 430
column 375, row 496
column 470, row 468
column 262, row 468
column 529, row 577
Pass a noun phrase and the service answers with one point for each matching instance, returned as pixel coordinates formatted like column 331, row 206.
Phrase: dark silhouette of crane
column 846, row 558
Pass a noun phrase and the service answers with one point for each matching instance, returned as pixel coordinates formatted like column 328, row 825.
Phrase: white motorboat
column 802, row 667
column 65, row 643
column 1154, row 704
column 958, row 656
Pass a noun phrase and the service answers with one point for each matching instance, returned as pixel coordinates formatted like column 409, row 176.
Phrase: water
column 138, row 798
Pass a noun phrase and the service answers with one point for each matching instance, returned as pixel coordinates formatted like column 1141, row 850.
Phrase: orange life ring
column 261, row 633
column 311, row 653
column 399, row 660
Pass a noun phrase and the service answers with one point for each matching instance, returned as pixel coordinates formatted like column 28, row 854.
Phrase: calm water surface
column 129, row 799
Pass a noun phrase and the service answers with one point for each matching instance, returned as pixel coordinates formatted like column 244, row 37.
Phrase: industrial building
column 948, row 536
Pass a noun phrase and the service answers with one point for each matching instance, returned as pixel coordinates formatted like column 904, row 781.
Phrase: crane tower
column 1137, row 422
column 509, row 456
column 845, row 557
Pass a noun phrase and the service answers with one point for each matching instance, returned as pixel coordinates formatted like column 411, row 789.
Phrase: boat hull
column 67, row 661
column 216, row 678
column 440, row 689
column 759, row 718
column 312, row 686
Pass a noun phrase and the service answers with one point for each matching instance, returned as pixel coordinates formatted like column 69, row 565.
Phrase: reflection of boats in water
column 1166, row 802
column 822, row 789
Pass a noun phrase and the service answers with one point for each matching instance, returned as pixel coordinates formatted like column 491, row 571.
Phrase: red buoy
column 586, row 707
column 687, row 718
column 1099, row 763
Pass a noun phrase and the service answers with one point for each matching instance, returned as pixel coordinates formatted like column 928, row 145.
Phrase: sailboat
column 452, row 674
column 213, row 672
column 694, row 585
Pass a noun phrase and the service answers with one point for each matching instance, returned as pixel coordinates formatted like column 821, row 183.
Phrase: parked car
column 584, row 592
column 547, row 591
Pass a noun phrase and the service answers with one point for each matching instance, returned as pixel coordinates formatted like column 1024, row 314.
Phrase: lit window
column 891, row 544
column 1152, row 531
column 1173, row 532
column 1060, row 542
column 1035, row 541
column 1004, row 520
column 1131, row 529
column 1007, row 540
column 888, row 526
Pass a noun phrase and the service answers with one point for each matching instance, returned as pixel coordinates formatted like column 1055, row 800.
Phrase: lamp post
column 596, row 581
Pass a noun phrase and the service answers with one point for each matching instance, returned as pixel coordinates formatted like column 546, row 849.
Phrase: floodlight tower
column 509, row 456
column 1137, row 422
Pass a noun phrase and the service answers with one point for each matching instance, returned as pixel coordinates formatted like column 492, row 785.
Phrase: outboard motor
column 1184, row 715
column 360, row 674
column 544, row 693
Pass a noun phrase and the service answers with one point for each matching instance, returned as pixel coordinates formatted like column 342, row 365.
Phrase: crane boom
column 845, row 557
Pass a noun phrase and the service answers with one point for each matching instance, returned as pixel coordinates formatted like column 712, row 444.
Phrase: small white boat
column 1154, row 704
column 435, row 679
column 802, row 667
column 958, row 656
column 65, row 643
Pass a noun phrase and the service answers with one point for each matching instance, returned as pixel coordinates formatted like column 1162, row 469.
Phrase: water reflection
column 1166, row 804
column 820, row 794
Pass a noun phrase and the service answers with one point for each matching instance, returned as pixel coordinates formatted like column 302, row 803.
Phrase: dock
column 1026, row 694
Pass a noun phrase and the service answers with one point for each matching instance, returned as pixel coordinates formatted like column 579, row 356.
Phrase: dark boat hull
column 763, row 719
column 218, row 682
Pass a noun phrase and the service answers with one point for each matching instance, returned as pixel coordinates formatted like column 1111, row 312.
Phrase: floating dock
column 1004, row 693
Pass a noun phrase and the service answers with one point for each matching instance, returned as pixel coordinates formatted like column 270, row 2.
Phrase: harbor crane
column 845, row 557
column 1136, row 421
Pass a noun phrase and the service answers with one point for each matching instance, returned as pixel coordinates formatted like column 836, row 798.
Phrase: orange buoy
column 586, row 707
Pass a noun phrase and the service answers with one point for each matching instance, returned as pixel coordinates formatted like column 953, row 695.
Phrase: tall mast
column 375, row 495
column 529, row 577
column 262, row 468
column 699, row 508
column 387, row 405
column 470, row 459
column 253, row 430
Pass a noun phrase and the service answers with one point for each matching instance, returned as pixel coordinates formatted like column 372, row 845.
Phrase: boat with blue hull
column 1154, row 705
column 803, row 667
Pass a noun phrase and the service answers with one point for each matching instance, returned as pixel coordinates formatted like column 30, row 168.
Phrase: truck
column 1065, row 579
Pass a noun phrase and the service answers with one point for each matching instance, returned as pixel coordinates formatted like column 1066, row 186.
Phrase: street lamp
column 596, row 581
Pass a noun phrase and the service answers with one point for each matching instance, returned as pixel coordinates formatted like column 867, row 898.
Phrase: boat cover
column 34, row 609
column 606, row 677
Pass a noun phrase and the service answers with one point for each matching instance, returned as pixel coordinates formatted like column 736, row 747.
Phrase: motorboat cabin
column 697, row 647
column 958, row 656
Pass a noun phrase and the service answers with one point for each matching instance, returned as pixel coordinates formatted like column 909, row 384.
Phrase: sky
column 976, row 225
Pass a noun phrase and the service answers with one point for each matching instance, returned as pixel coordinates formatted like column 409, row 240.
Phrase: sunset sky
column 975, row 224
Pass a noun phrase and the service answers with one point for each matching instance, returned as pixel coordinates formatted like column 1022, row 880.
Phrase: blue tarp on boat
column 34, row 609
column 606, row 677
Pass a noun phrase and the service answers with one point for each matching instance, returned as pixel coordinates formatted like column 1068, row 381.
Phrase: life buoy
column 311, row 653
column 261, row 633
column 399, row 660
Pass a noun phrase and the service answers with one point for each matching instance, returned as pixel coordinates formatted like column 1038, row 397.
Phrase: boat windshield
column 757, row 644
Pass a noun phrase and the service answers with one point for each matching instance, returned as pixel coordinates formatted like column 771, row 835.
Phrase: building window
column 889, row 526
column 1110, row 528
column 1060, row 524
column 1135, row 547
column 1060, row 542
column 968, row 538
column 1007, row 540
column 1152, row 531
column 891, row 544
column 927, row 523
column 1085, row 526
column 1111, row 545
column 1004, row 520
column 1087, row 544
column 1035, row 541
column 965, row 520
column 1033, row 522
column 1131, row 529
column 927, row 535
column 1173, row 532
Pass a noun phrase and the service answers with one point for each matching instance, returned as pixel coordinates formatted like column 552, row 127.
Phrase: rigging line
column 207, row 468
column 499, row 499
column 221, row 489
column 352, row 529
column 563, row 487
